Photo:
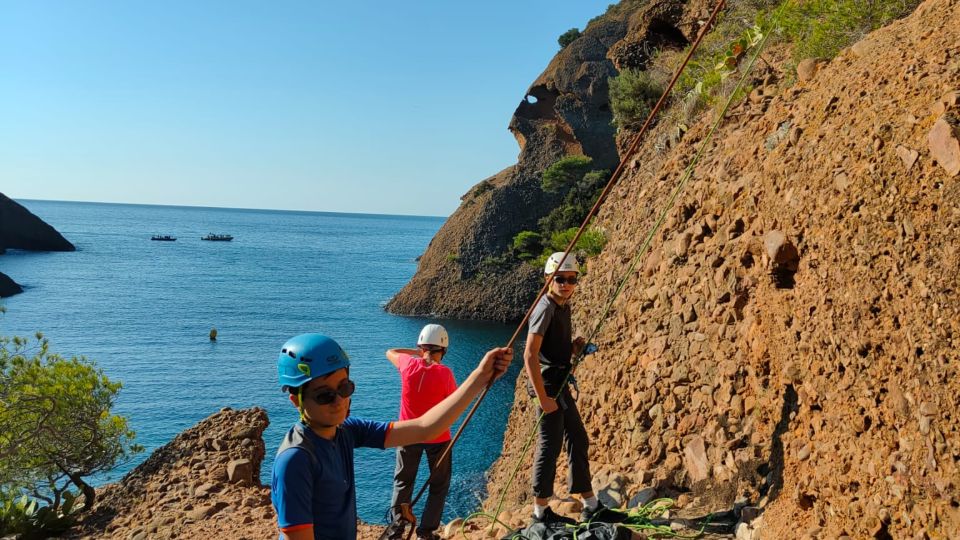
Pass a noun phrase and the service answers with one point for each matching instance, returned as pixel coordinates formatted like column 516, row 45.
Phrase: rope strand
column 614, row 179
column 688, row 173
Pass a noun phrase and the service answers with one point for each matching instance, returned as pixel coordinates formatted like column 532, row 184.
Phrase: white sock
column 539, row 510
column 591, row 502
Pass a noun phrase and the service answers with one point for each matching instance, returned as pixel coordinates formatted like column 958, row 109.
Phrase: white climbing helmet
column 434, row 334
column 554, row 264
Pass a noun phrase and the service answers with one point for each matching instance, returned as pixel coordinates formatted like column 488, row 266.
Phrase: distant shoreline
column 231, row 209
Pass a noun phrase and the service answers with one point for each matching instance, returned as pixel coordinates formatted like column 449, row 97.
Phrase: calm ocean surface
column 142, row 310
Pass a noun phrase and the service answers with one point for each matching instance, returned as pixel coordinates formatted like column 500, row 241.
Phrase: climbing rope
column 688, row 173
column 614, row 179
column 640, row 519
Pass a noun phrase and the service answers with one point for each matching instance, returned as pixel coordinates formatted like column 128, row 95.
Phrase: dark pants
column 563, row 427
column 408, row 462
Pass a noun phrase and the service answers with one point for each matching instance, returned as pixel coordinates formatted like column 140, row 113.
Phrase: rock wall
column 20, row 229
column 790, row 341
column 565, row 111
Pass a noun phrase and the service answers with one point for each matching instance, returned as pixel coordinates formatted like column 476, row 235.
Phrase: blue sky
column 357, row 106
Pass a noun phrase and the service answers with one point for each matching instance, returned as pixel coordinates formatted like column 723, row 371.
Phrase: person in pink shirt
column 424, row 382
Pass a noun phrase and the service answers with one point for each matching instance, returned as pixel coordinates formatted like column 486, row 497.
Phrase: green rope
column 687, row 174
column 638, row 520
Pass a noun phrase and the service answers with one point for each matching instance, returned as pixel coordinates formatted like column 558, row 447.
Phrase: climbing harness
column 403, row 527
column 614, row 178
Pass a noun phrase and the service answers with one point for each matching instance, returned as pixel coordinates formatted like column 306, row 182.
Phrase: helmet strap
column 303, row 415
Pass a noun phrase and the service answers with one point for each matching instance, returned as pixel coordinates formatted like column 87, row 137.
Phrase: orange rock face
column 798, row 315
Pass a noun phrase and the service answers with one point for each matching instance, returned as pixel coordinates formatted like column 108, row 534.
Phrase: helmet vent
column 305, row 359
column 291, row 354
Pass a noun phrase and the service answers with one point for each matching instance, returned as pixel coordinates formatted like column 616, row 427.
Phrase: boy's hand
column 548, row 404
column 495, row 364
column 578, row 345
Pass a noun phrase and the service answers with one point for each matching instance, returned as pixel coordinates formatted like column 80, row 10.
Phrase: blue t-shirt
column 321, row 491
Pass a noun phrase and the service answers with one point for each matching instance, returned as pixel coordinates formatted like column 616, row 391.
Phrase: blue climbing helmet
column 308, row 356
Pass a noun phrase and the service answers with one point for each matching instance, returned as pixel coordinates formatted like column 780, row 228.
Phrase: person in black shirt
column 547, row 359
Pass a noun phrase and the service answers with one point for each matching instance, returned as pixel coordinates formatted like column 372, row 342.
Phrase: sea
column 143, row 310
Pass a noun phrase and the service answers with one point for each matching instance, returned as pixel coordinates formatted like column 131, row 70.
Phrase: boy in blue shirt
column 313, row 488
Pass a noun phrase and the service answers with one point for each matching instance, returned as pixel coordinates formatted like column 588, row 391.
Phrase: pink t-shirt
column 422, row 387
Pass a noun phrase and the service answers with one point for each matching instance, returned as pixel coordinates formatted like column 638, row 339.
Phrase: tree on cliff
column 568, row 37
column 55, row 422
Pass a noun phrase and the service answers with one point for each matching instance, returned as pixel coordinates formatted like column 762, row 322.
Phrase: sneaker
column 549, row 516
column 602, row 514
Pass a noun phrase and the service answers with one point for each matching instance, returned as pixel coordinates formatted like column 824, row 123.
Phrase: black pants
column 563, row 427
column 408, row 462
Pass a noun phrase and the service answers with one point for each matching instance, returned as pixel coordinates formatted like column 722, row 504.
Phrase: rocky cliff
column 20, row 229
column 8, row 287
column 565, row 111
column 791, row 338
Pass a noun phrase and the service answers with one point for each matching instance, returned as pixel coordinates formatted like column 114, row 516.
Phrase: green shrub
column 633, row 93
column 56, row 427
column 566, row 172
column 821, row 28
column 481, row 188
column 496, row 264
column 452, row 257
column 26, row 519
column 568, row 37
column 577, row 203
column 527, row 245
column 589, row 244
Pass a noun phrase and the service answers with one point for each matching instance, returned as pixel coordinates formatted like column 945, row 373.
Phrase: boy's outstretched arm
column 442, row 415
column 393, row 355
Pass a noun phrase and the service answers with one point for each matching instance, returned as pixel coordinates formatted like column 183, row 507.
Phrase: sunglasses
column 431, row 348
column 560, row 280
column 327, row 395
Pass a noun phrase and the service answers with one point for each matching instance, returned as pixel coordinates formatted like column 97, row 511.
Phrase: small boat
column 217, row 237
column 163, row 238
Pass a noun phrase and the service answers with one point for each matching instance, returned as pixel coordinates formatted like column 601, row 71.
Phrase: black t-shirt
column 552, row 321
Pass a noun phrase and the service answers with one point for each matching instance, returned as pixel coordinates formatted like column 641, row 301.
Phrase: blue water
column 142, row 310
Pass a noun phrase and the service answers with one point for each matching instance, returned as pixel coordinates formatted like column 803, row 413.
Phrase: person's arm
column 531, row 361
column 305, row 533
column 441, row 416
column 292, row 494
column 393, row 355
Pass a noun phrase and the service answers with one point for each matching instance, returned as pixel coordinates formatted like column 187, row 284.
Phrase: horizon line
column 245, row 209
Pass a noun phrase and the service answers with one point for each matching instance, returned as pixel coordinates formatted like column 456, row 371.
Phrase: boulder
column 806, row 69
column 8, row 287
column 240, row 471
column 695, row 459
column 944, row 141
column 20, row 229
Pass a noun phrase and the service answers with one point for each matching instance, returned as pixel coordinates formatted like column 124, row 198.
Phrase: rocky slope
column 20, row 229
column 791, row 338
column 204, row 483
column 565, row 111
